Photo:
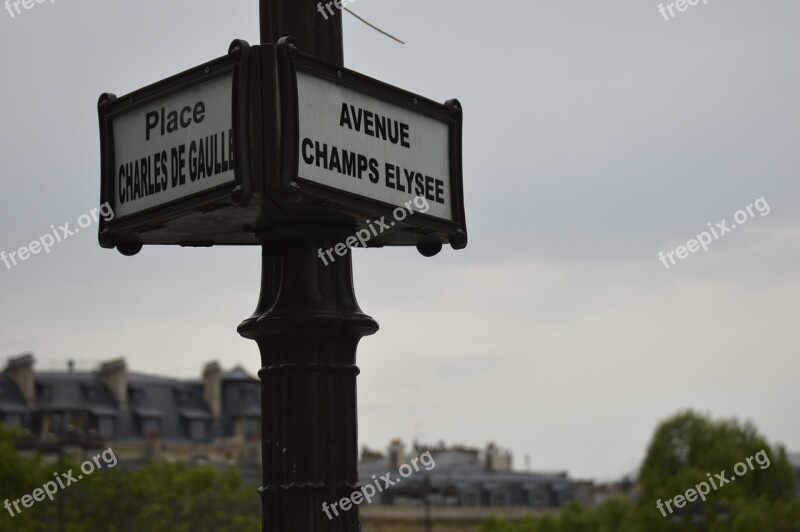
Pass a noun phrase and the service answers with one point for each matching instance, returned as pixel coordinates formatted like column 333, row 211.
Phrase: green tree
column 689, row 447
column 684, row 450
column 18, row 477
column 157, row 497
column 495, row 524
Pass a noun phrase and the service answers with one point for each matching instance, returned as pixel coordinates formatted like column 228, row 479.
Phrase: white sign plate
column 174, row 147
column 372, row 148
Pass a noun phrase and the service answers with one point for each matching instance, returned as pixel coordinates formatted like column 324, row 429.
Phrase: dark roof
column 175, row 403
column 193, row 413
column 63, row 391
column 241, row 398
column 103, row 410
column 148, row 412
column 145, row 378
column 238, row 374
column 250, row 410
column 11, row 400
column 457, row 478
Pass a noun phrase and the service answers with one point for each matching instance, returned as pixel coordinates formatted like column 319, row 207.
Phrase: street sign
column 348, row 138
column 267, row 135
column 368, row 148
column 175, row 150
column 185, row 146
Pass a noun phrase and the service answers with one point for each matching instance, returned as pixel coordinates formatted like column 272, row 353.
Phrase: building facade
column 462, row 477
column 215, row 419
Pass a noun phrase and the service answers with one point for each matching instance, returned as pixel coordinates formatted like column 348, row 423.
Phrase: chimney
column 496, row 459
column 212, row 389
column 20, row 370
column 397, row 454
column 491, row 457
column 114, row 374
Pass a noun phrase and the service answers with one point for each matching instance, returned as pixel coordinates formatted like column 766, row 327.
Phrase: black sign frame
column 122, row 232
column 420, row 227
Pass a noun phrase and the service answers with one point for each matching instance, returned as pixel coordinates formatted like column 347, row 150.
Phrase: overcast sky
column 596, row 135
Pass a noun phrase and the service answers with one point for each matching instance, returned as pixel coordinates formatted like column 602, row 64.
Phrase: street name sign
column 175, row 164
column 268, row 135
column 185, row 148
column 369, row 148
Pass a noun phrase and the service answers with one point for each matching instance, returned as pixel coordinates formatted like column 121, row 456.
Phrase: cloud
column 574, row 362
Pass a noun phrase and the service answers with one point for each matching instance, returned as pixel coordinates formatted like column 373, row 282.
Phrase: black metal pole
column 307, row 326
column 60, row 493
column 428, row 519
column 302, row 20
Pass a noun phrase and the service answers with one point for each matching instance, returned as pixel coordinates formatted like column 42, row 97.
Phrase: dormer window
column 45, row 391
column 183, row 396
column 151, row 426
column 197, row 429
column 105, row 427
column 247, row 392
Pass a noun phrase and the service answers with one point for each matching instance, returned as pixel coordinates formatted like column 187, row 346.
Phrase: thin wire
column 373, row 26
